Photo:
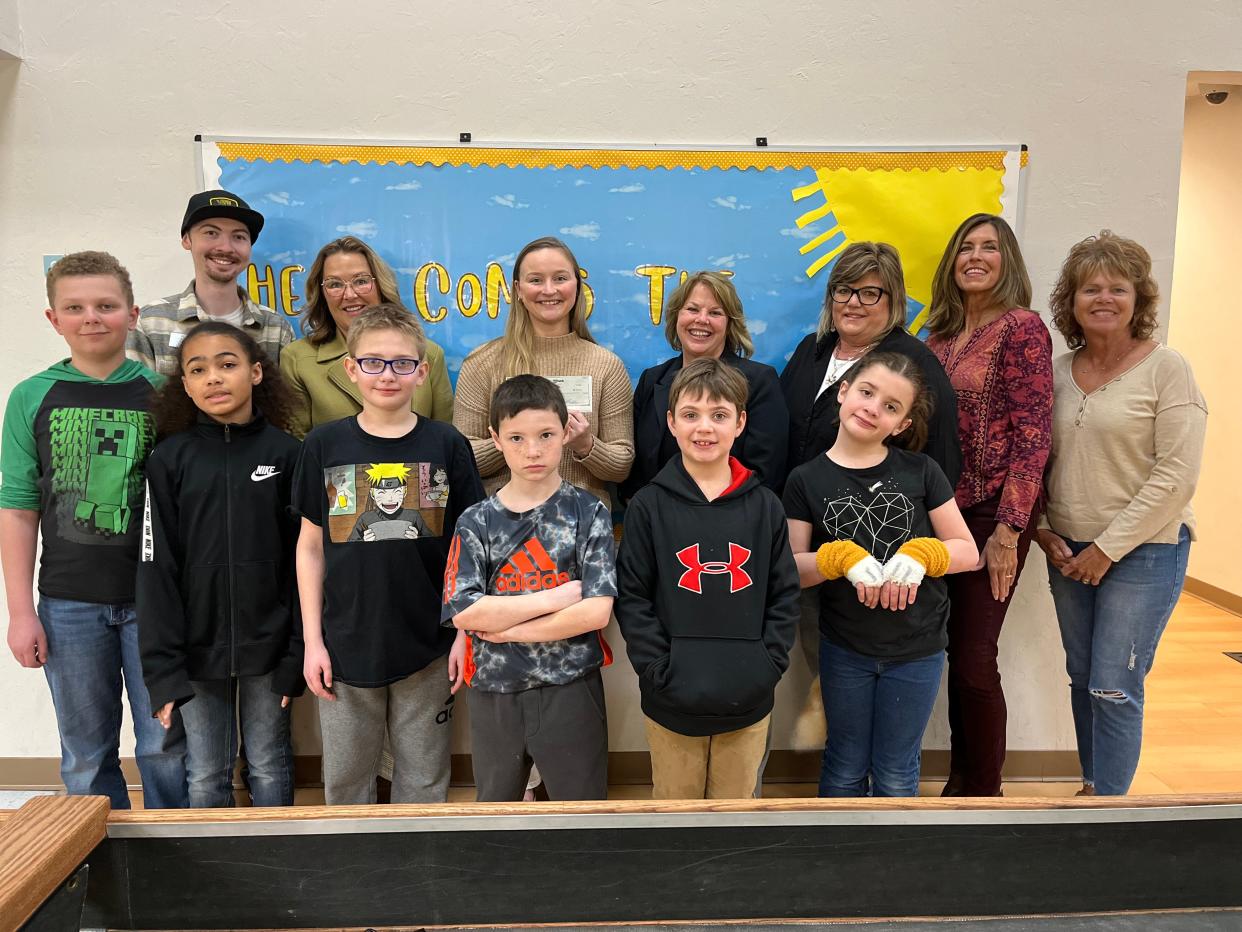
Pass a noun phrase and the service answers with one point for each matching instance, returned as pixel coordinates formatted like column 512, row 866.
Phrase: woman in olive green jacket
column 345, row 279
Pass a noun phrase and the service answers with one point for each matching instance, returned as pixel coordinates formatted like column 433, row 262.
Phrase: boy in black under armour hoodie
column 707, row 597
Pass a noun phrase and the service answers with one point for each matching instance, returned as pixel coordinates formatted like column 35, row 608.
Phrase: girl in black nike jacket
column 218, row 617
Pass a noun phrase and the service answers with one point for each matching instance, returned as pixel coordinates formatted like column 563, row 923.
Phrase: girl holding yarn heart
column 876, row 526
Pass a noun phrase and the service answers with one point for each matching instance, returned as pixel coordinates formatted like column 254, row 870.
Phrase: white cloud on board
column 588, row 230
column 282, row 198
column 508, row 200
column 361, row 228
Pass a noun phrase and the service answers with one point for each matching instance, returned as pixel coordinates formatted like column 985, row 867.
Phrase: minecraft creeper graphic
column 111, row 450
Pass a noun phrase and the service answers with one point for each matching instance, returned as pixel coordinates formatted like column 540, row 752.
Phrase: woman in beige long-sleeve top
column 1127, row 438
column 546, row 334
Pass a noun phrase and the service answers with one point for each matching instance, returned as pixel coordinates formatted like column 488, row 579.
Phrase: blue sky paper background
column 614, row 219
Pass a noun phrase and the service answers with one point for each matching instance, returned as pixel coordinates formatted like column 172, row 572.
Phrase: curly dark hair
column 1113, row 255
column 914, row 437
column 174, row 410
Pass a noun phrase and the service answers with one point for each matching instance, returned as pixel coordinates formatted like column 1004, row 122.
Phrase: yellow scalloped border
column 611, row 158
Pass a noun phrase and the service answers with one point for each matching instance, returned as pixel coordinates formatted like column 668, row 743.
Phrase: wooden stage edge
column 45, row 841
column 41, row 845
column 852, row 920
column 42, row 804
column 680, row 807
column 699, row 923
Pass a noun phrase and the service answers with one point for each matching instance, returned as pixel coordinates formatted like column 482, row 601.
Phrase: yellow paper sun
column 915, row 210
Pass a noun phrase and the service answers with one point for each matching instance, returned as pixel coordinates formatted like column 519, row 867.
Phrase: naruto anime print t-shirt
column 499, row 552
column 879, row 508
column 386, row 506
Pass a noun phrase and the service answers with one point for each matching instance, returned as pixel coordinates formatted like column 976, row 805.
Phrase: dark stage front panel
column 626, row 868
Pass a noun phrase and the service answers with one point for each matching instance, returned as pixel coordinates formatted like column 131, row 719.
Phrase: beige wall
column 1204, row 321
column 97, row 120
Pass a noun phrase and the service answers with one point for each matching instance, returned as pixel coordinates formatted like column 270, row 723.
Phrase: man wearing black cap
column 218, row 231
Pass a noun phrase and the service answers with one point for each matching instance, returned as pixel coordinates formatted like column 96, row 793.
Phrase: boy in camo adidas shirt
column 531, row 576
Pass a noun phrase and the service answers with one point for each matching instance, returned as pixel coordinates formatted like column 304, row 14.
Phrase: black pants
column 562, row 729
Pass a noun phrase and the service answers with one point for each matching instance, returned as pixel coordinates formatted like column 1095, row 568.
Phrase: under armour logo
column 691, row 579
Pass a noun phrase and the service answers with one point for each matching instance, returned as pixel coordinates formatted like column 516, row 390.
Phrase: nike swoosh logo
column 256, row 477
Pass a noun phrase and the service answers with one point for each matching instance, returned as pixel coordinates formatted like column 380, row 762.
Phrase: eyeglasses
column 373, row 365
column 362, row 284
column 867, row 296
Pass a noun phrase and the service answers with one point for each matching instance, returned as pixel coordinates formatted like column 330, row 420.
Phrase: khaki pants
column 715, row 767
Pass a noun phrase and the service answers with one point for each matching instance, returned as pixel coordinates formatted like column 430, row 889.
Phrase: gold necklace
column 1110, row 364
column 842, row 356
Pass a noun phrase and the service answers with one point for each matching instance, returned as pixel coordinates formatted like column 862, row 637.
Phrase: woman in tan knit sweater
column 1127, row 439
column 546, row 334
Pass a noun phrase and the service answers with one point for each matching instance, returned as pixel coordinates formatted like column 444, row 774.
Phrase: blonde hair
column 387, row 317
column 379, row 471
column 517, row 346
column 89, row 262
column 858, row 260
column 317, row 319
column 737, row 336
column 1111, row 254
column 947, row 314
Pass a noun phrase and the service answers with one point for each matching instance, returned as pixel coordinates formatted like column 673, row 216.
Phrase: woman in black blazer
column 864, row 311
column 704, row 318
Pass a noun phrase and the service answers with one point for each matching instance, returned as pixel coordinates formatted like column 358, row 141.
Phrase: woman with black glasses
column 345, row 279
column 864, row 311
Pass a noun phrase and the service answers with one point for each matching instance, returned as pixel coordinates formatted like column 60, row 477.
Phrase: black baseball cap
column 208, row 204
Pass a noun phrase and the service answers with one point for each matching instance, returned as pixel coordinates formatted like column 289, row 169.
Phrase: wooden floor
column 1193, row 740
column 1193, row 723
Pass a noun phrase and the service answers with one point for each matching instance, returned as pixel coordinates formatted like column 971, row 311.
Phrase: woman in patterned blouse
column 998, row 356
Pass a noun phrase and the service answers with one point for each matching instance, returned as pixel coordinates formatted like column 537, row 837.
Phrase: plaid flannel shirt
column 163, row 325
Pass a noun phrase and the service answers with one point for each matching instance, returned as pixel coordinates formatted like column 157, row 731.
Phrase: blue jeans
column 1110, row 633
column 877, row 711
column 91, row 647
column 211, row 727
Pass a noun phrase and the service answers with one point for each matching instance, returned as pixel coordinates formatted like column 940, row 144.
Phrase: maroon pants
column 976, row 700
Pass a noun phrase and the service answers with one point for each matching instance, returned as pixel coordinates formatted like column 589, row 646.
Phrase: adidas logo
column 530, row 570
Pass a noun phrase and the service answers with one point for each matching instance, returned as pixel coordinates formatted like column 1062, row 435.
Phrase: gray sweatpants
column 563, row 729
column 416, row 714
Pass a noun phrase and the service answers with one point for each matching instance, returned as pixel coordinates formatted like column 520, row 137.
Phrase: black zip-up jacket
column 813, row 422
column 217, row 594
column 707, row 599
